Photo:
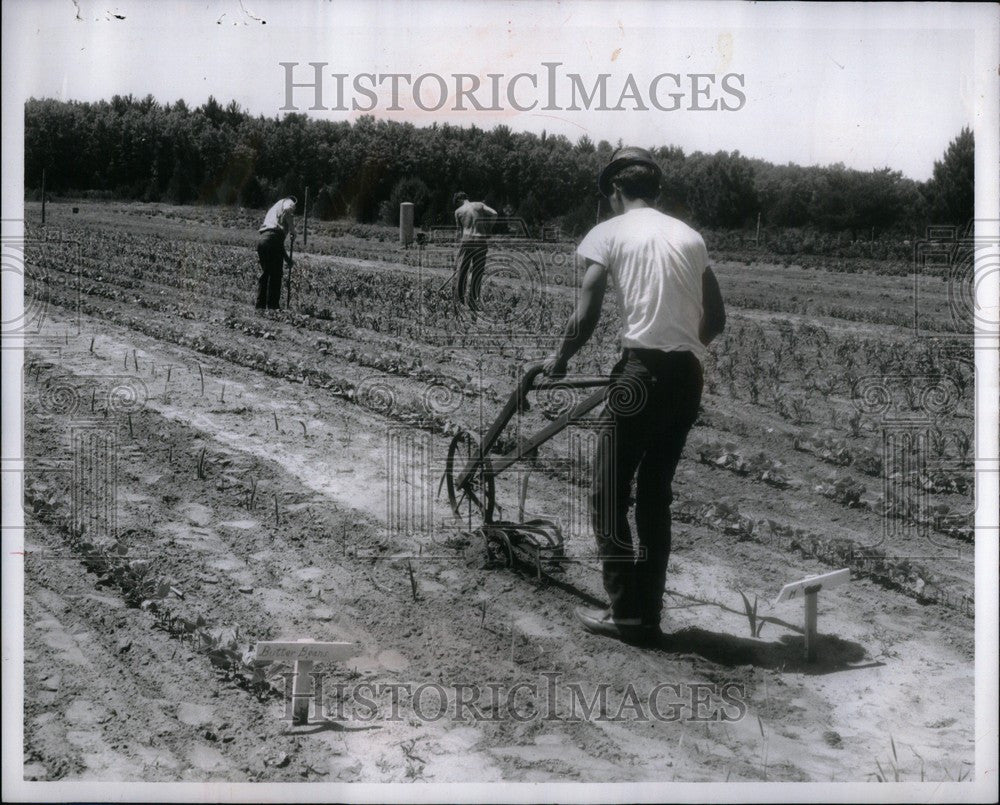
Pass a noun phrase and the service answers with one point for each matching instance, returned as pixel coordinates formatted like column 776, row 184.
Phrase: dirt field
column 276, row 476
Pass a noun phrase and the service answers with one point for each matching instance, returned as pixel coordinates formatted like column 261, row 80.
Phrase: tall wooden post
column 406, row 223
column 43, row 195
column 305, row 220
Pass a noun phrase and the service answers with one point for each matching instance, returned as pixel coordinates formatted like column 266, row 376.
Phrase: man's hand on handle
column 554, row 366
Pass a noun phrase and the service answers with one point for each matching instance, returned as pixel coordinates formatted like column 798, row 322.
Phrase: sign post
column 304, row 653
column 809, row 589
column 305, row 220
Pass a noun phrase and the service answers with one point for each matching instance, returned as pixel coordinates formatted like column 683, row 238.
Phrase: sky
column 867, row 85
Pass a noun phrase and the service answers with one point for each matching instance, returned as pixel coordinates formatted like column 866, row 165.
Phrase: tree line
column 129, row 148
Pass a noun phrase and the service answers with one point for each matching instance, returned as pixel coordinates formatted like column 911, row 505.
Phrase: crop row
column 142, row 586
column 913, row 507
column 892, row 572
column 752, row 364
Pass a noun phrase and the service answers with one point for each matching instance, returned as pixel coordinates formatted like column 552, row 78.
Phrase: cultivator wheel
column 477, row 496
column 536, row 545
column 499, row 551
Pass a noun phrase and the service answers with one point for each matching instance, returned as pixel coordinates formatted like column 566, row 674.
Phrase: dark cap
column 623, row 158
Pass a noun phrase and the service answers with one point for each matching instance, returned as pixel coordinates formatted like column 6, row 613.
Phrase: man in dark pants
column 470, row 220
column 671, row 308
column 278, row 224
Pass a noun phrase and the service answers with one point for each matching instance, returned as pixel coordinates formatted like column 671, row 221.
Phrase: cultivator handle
column 518, row 402
column 533, row 370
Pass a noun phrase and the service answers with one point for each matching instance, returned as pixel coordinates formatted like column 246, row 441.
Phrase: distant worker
column 670, row 308
column 472, row 221
column 279, row 223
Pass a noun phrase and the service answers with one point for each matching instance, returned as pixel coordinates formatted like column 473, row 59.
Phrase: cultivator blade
column 536, row 545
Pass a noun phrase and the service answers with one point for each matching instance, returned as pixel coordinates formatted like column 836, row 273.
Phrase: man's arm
column 583, row 320
column 713, row 319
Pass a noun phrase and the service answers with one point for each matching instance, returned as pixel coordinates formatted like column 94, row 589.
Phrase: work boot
column 602, row 622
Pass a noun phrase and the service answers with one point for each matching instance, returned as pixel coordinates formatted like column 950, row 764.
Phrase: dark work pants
column 471, row 267
column 651, row 405
column 271, row 251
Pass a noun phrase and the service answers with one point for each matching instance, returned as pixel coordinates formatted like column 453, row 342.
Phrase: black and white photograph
column 500, row 401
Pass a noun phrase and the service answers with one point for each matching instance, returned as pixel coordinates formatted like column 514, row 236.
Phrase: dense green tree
column 951, row 190
column 221, row 154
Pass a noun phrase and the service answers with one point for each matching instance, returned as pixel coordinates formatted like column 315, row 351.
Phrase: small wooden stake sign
column 304, row 653
column 810, row 588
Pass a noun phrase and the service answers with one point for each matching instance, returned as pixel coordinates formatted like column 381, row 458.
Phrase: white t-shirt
column 657, row 263
column 280, row 216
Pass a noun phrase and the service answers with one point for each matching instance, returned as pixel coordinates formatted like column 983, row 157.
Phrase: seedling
column 882, row 776
column 201, row 464
column 756, row 624
column 800, row 411
column 201, row 377
column 275, row 415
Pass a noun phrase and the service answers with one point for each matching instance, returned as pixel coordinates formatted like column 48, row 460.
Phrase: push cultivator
column 471, row 472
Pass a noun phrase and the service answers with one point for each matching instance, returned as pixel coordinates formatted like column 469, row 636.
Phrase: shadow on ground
column 833, row 653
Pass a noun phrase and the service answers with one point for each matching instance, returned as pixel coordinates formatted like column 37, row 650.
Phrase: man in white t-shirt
column 471, row 224
column 671, row 308
column 279, row 223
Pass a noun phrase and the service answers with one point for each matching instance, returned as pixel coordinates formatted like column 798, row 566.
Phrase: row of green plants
column 142, row 585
